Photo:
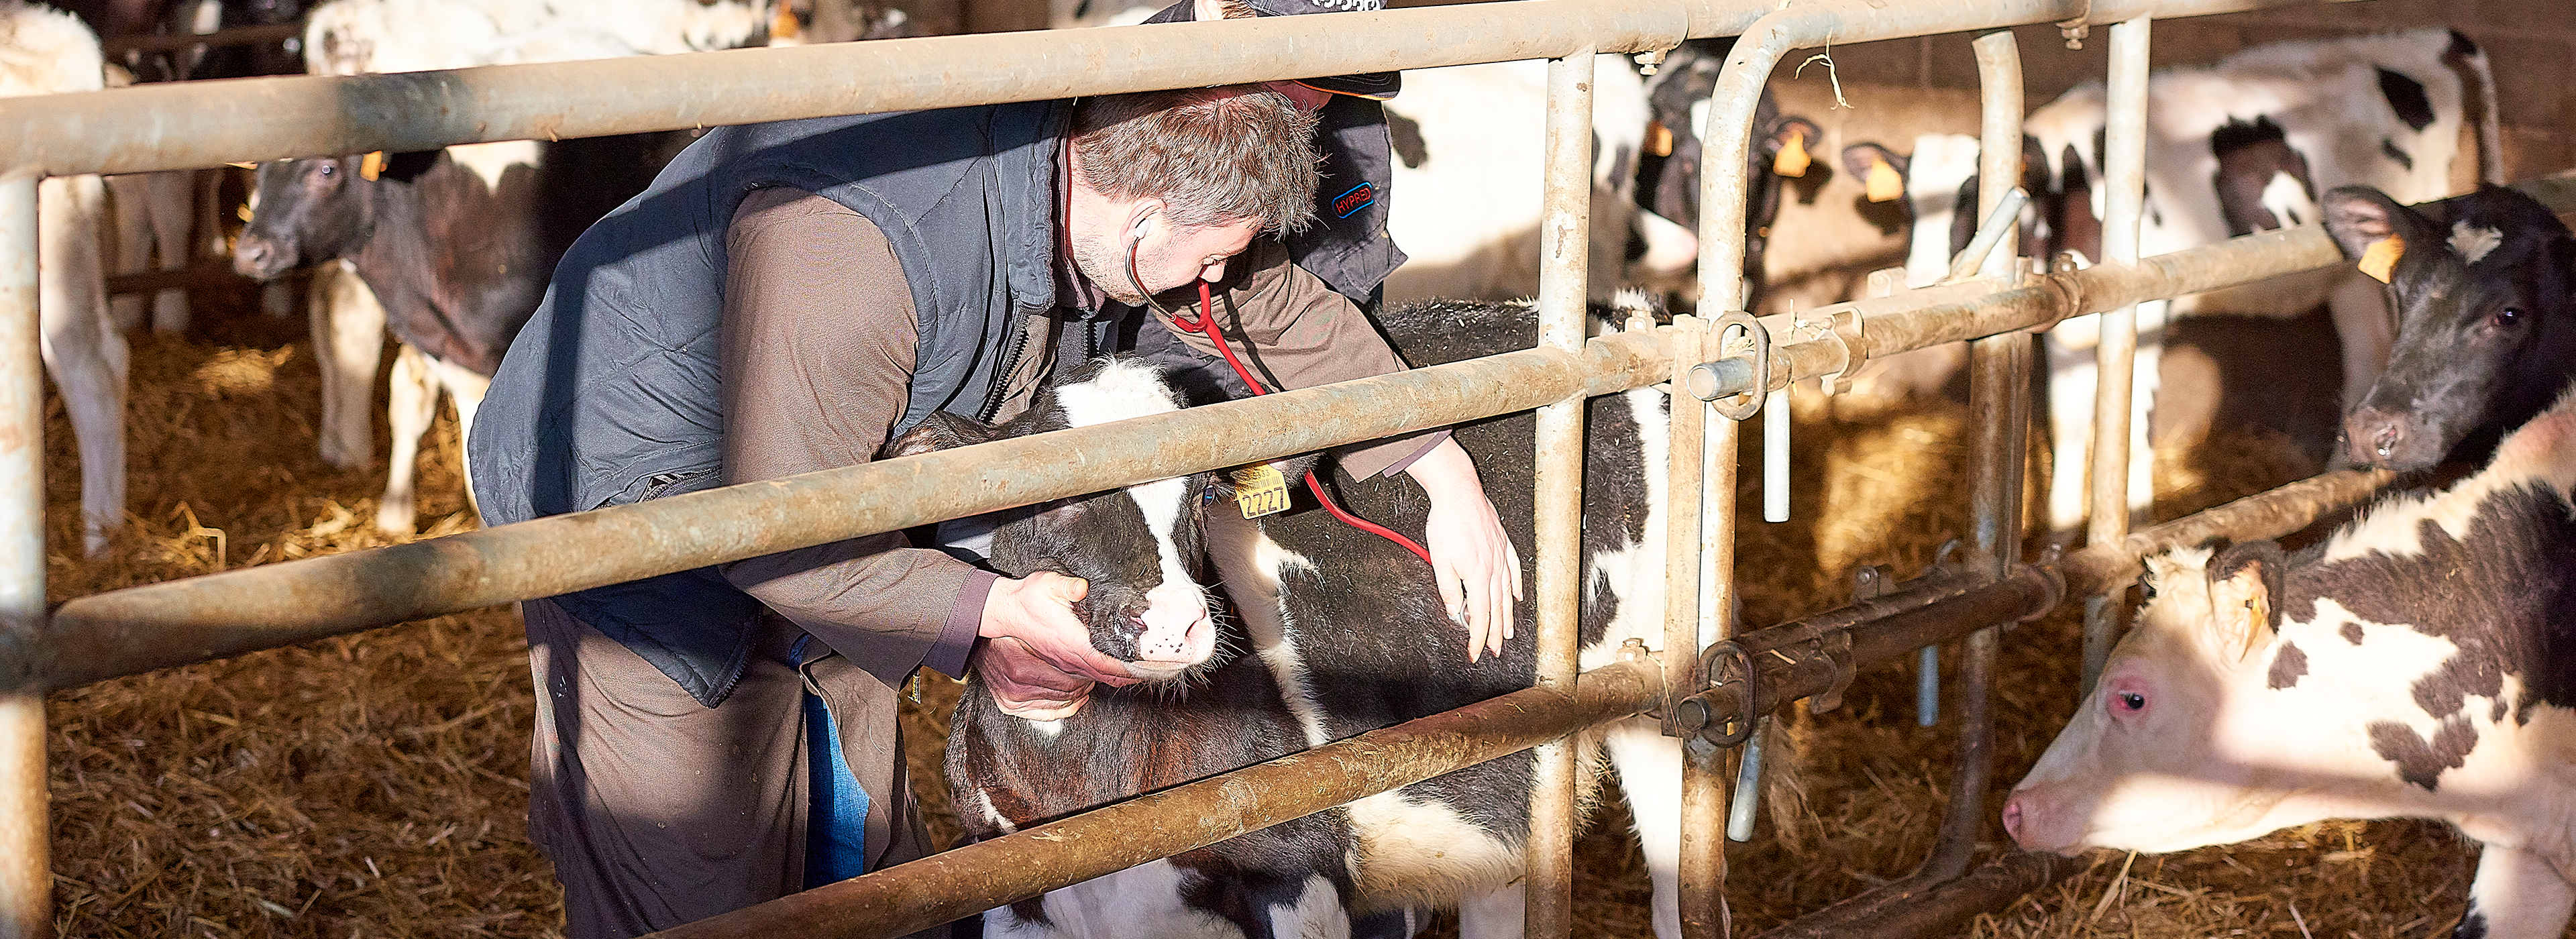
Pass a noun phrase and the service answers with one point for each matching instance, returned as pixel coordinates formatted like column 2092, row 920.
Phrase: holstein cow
column 456, row 243
column 1464, row 198
column 2484, row 286
column 2236, row 147
column 1668, row 180
column 1344, row 634
column 45, row 52
column 2419, row 664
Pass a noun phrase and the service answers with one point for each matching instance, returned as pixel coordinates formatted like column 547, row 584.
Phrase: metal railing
column 178, row 126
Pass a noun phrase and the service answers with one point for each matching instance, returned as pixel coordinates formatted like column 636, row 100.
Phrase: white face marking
column 491, row 161
column 2288, row 201
column 1122, row 390
column 2473, row 243
column 1941, row 163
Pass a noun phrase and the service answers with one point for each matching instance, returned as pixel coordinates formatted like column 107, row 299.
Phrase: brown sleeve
column 816, row 356
column 1301, row 334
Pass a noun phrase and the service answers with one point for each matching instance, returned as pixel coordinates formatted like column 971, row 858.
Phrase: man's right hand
column 1037, row 659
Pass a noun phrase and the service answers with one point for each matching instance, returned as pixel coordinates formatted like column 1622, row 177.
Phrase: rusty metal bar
column 2270, row 514
column 178, row 125
column 1701, row 878
column 1999, row 387
column 943, row 887
column 26, row 878
column 1936, row 909
column 1564, row 233
column 2124, row 168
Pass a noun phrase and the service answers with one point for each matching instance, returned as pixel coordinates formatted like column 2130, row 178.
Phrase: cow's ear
column 1874, row 166
column 940, row 431
column 2244, row 594
column 1790, row 146
column 2373, row 229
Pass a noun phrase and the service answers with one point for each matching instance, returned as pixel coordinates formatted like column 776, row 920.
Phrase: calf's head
column 2484, row 290
column 311, row 210
column 2168, row 751
column 1142, row 548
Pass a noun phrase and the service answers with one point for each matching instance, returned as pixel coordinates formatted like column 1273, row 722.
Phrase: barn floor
column 375, row 785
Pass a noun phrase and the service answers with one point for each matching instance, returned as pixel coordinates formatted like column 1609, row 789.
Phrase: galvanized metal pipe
column 2270, row 514
column 189, row 124
column 943, row 887
column 2124, row 168
column 1702, row 877
column 1564, row 244
column 26, row 876
column 1999, row 389
column 1934, row 909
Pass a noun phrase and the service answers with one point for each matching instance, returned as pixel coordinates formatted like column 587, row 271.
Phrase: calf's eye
column 2508, row 316
column 2131, row 701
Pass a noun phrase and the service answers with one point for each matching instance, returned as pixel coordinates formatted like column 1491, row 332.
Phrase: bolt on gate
column 1712, row 696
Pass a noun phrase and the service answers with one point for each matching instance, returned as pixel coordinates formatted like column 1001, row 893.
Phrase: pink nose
column 1173, row 626
column 2012, row 818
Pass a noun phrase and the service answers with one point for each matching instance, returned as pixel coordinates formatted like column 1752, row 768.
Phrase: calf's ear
column 940, row 431
column 1868, row 160
column 2244, row 586
column 2359, row 217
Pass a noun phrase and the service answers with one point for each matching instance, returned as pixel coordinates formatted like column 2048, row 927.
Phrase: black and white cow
column 2484, row 286
column 2242, row 145
column 1668, row 180
column 1340, row 633
column 46, row 52
column 2421, row 663
column 457, row 244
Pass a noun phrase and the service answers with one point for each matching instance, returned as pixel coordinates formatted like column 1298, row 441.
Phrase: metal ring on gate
column 1736, row 690
column 1749, row 403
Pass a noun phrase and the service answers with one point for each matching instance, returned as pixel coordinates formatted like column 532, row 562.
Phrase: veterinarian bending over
column 786, row 298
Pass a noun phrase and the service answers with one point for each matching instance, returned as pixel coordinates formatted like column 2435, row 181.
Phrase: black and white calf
column 457, row 245
column 2484, row 286
column 2422, row 663
column 1344, row 634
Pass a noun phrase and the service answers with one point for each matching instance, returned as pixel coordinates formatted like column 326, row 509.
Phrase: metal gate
column 1721, row 356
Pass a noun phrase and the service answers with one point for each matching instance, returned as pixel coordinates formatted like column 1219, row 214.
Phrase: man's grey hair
column 1213, row 155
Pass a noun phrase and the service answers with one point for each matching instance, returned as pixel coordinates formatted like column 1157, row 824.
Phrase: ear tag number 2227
column 1260, row 489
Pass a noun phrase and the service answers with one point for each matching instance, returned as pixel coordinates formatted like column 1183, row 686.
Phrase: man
column 785, row 299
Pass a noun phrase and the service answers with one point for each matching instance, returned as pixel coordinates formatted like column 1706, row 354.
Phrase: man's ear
column 2245, row 583
column 940, row 431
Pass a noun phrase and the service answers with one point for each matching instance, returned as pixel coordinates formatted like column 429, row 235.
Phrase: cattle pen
column 1739, row 364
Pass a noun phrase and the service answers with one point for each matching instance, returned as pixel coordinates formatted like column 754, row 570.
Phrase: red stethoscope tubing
column 1206, row 326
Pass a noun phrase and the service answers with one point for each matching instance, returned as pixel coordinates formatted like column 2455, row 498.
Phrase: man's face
column 1166, row 257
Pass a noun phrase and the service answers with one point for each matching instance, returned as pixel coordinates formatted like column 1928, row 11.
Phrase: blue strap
column 836, row 818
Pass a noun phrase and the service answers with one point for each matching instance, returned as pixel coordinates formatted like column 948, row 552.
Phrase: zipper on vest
column 999, row 390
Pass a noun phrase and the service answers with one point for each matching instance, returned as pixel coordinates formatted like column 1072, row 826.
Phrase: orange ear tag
column 372, row 165
column 1884, row 184
column 1659, row 139
column 1792, row 161
column 1260, row 489
column 2380, row 258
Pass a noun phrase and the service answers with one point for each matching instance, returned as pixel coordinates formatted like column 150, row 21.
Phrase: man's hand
column 1472, row 560
column 1037, row 658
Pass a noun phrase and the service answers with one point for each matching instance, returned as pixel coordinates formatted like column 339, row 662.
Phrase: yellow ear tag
column 783, row 26
column 1659, row 139
column 1260, row 490
column 372, row 165
column 2380, row 258
column 1792, row 161
column 1884, row 183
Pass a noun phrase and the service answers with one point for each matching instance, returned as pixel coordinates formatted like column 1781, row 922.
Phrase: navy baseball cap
column 1376, row 86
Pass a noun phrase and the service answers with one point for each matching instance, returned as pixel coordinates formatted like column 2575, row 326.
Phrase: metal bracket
column 1848, row 329
column 1730, row 674
column 1743, row 406
column 1836, row 649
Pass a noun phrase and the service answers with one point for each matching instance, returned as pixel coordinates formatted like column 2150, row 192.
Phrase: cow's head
column 2484, row 290
column 312, row 210
column 1143, row 548
column 2150, row 761
column 1936, row 186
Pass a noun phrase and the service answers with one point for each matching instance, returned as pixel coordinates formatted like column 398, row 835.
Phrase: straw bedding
column 375, row 785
